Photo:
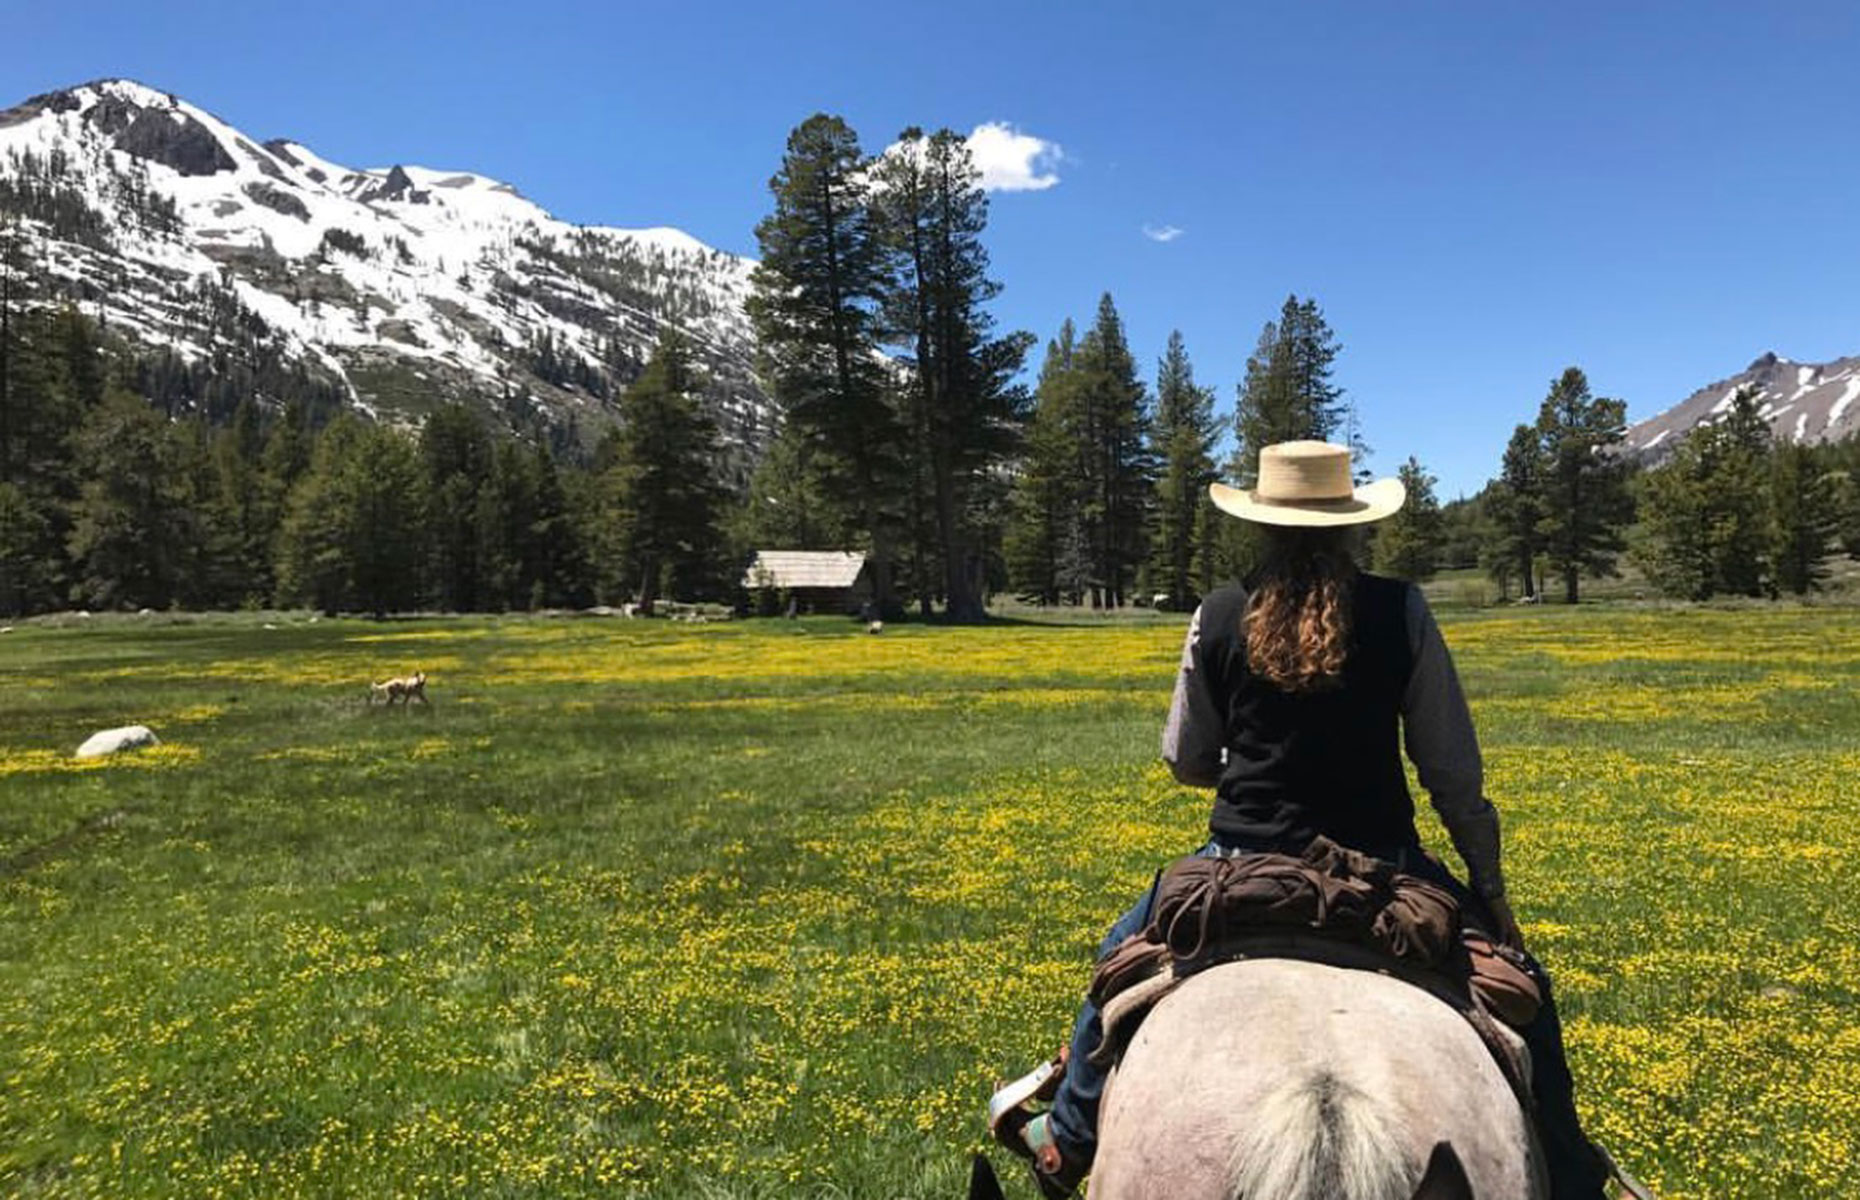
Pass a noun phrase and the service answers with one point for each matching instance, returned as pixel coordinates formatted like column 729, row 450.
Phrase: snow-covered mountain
column 400, row 285
column 1804, row 402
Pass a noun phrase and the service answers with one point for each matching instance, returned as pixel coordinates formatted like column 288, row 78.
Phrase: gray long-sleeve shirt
column 1437, row 731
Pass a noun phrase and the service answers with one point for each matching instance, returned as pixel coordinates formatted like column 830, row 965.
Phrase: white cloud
column 1011, row 161
column 1162, row 233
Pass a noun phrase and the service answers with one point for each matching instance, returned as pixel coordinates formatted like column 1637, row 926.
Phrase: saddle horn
column 1445, row 1178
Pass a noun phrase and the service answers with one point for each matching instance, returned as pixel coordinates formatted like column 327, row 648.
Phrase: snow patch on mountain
column 1803, row 402
column 145, row 209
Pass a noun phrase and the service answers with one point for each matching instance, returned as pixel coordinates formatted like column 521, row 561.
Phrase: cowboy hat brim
column 1371, row 502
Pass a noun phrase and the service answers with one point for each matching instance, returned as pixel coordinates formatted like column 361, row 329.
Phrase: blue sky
column 1477, row 194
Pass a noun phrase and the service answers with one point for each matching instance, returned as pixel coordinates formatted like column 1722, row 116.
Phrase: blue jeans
column 1074, row 1116
column 1575, row 1170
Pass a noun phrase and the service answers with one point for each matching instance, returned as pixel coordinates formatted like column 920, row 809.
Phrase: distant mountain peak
column 1803, row 402
column 405, row 283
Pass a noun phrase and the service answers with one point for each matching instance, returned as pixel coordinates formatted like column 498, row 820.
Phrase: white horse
column 1275, row 1079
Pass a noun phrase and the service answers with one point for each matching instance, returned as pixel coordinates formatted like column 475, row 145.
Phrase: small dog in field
column 406, row 689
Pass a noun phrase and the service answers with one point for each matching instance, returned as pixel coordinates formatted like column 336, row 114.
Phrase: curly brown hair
column 1297, row 620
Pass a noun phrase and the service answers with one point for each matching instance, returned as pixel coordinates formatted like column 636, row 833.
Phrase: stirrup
column 1008, row 1111
column 1007, row 1107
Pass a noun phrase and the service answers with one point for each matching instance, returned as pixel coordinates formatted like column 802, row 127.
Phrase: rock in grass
column 109, row 741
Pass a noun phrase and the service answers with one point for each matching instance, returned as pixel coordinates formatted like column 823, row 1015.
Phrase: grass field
column 760, row 910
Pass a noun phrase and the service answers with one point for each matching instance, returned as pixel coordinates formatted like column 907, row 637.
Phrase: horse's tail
column 1319, row 1138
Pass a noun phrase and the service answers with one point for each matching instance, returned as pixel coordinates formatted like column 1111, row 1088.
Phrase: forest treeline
column 901, row 430
column 106, row 502
column 1733, row 510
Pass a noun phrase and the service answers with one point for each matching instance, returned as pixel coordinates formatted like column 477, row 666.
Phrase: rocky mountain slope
column 1803, row 402
column 400, row 286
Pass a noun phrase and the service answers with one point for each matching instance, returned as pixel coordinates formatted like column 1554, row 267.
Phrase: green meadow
column 761, row 909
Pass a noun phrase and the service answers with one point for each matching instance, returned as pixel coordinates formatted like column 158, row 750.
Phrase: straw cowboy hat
column 1308, row 483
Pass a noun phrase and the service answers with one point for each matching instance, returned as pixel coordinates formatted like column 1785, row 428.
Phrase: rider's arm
column 1192, row 744
column 1437, row 729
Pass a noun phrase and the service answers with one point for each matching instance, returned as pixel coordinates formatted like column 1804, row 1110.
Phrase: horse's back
column 1272, row 1079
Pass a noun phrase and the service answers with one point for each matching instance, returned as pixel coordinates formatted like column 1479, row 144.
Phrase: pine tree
column 561, row 561
column 241, row 514
column 1515, row 508
column 1048, row 487
column 502, row 517
column 1464, row 532
column 814, row 307
column 667, row 507
column 354, row 533
column 1675, row 547
column 1709, row 524
column 964, row 410
column 26, row 574
column 1586, row 502
column 55, row 377
column 905, row 211
column 1807, row 502
column 1846, row 488
column 457, row 456
column 386, row 524
column 786, row 507
column 1287, row 395
column 1184, row 438
column 1408, row 544
column 1743, row 528
column 130, row 527
column 313, row 536
column 1117, row 468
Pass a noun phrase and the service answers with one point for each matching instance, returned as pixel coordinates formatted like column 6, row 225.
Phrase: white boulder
column 109, row 741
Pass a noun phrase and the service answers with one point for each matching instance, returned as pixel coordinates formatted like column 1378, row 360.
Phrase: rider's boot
column 1028, row 1134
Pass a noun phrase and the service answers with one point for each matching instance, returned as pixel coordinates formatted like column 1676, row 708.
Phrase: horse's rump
column 1273, row 1079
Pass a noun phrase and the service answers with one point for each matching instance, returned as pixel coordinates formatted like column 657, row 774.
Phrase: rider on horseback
column 1295, row 696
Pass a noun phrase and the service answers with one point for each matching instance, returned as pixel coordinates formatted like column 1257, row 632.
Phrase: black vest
column 1325, row 762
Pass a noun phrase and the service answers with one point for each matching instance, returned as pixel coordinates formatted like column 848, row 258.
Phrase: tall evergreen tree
column 964, row 410
column 1846, row 488
column 1465, row 528
column 27, row 575
column 668, row 506
column 1708, row 524
column 311, row 554
column 1287, row 395
column 1184, row 439
column 559, row 563
column 1806, row 502
column 814, row 307
column 1112, row 405
column 1515, row 508
column 786, row 507
column 131, row 526
column 242, row 514
column 385, row 522
column 1586, row 503
column 1744, row 533
column 1408, row 544
column 354, row 533
column 1048, row 488
column 457, row 456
